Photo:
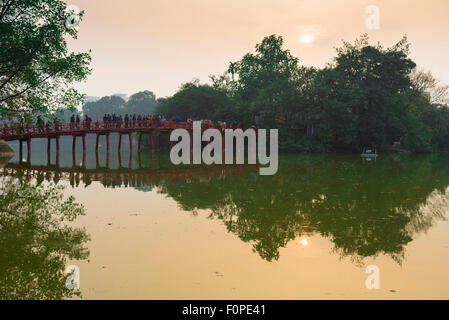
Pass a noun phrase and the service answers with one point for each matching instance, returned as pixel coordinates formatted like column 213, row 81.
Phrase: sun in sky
column 307, row 38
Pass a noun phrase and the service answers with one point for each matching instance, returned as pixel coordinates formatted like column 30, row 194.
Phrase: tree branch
column 15, row 95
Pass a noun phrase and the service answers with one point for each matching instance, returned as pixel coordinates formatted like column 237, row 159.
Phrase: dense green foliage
column 36, row 68
column 368, row 96
column 198, row 102
column 37, row 242
column 142, row 103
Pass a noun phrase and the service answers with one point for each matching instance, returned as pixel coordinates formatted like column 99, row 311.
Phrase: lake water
column 155, row 231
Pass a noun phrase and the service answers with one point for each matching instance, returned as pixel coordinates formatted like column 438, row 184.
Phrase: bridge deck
column 27, row 132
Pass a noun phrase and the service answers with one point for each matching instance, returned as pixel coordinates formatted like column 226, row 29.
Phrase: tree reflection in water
column 364, row 208
column 36, row 241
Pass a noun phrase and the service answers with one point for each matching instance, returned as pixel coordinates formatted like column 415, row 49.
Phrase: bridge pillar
column 57, row 150
column 73, row 159
column 29, row 150
column 96, row 143
column 119, row 142
column 158, row 140
column 48, row 151
column 84, row 150
column 107, row 143
column 223, row 146
column 73, row 144
column 84, row 143
column 140, row 142
column 151, row 140
column 97, row 158
column 119, row 159
column 223, row 142
column 130, row 135
column 20, row 150
column 139, row 160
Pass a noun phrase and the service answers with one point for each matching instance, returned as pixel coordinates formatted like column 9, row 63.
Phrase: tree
column 106, row 105
column 364, row 78
column 143, row 103
column 436, row 118
column 368, row 96
column 425, row 83
column 36, row 68
column 198, row 101
column 270, row 85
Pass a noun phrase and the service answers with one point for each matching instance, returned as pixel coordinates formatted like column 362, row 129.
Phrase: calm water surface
column 154, row 231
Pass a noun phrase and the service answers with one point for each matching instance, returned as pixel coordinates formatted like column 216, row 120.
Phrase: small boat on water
column 369, row 153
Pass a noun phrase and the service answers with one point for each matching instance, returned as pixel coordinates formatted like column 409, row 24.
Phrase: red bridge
column 81, row 129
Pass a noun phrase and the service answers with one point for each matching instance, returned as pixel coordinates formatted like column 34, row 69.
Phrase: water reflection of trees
column 36, row 241
column 363, row 208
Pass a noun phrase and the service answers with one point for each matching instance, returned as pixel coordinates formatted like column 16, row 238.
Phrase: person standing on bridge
column 87, row 121
column 126, row 120
column 72, row 121
column 120, row 119
column 139, row 120
column 78, row 120
column 40, row 123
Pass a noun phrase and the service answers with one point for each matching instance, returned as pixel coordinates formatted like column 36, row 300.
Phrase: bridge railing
column 28, row 130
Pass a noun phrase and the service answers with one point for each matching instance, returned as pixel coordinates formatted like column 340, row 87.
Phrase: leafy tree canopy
column 368, row 96
column 198, row 101
column 36, row 67
column 142, row 103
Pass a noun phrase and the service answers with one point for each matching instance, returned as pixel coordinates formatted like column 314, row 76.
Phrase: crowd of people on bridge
column 136, row 121
column 76, row 120
column 133, row 120
column 112, row 121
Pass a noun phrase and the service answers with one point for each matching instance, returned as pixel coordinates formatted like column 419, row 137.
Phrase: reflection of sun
column 307, row 38
column 304, row 242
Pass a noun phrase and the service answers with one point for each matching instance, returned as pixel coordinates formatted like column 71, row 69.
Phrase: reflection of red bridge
column 121, row 176
column 27, row 132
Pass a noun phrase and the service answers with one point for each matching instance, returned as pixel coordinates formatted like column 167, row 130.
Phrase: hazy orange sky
column 160, row 44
